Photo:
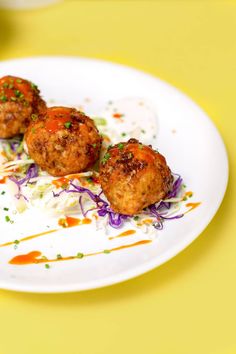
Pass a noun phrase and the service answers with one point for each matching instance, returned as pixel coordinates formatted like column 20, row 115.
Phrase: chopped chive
column 16, row 242
column 3, row 98
column 143, row 131
column 130, row 155
column 6, row 209
column 7, row 218
column 123, row 134
column 17, row 93
column 59, row 256
column 34, row 117
column 105, row 158
column 67, row 125
column 47, row 266
column 100, row 121
column 33, row 86
column 136, row 217
column 3, row 192
column 106, row 251
column 120, row 146
column 79, row 255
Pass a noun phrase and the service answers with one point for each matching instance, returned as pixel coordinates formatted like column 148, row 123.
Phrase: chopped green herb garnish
column 16, row 242
column 6, row 209
column 123, row 134
column 34, row 117
column 67, row 125
column 33, row 86
column 5, row 85
column 3, row 192
column 19, row 81
column 17, row 93
column 106, row 251
column 105, row 158
column 47, row 266
column 80, row 255
column 120, row 146
column 100, row 121
column 130, row 155
column 7, row 218
column 136, row 217
column 3, row 98
column 59, row 256
column 143, row 131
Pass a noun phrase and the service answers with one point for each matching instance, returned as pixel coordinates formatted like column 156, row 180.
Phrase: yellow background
column 186, row 306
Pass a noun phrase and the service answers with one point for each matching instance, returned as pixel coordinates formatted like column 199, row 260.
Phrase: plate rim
column 167, row 255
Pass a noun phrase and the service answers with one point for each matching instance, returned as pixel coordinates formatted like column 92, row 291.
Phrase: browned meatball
column 19, row 99
column 63, row 141
column 134, row 176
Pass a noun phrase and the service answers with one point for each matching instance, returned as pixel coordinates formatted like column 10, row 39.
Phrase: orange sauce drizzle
column 147, row 221
column 117, row 115
column 192, row 206
column 3, row 180
column 123, row 234
column 60, row 182
column 188, row 194
column 28, row 238
column 69, row 221
column 32, row 257
column 53, row 125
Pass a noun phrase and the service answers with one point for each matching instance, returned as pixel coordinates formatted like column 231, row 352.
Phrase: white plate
column 188, row 139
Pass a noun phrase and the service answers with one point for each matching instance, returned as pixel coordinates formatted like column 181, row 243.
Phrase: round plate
column 186, row 137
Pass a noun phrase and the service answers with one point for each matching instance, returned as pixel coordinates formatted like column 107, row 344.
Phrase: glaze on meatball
column 63, row 141
column 133, row 176
column 19, row 99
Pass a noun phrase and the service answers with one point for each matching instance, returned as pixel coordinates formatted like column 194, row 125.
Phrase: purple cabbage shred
column 116, row 220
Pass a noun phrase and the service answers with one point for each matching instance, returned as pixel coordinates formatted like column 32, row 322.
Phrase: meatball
column 63, row 141
column 133, row 176
column 19, row 99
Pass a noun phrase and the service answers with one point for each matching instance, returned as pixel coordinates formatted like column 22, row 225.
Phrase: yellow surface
column 186, row 306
